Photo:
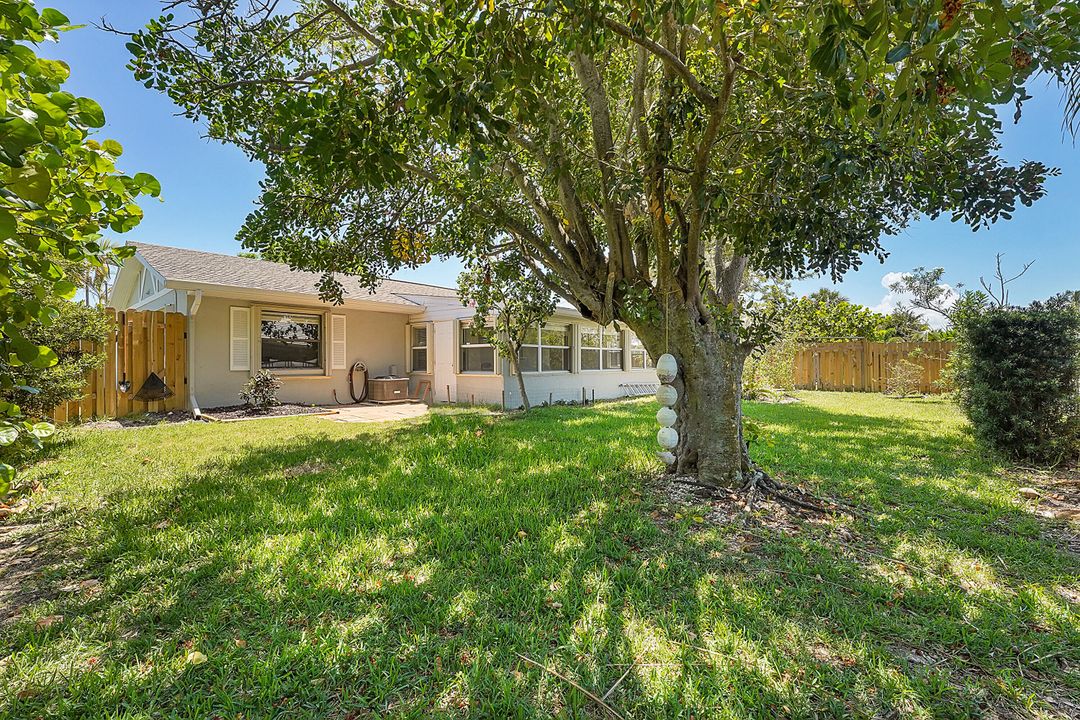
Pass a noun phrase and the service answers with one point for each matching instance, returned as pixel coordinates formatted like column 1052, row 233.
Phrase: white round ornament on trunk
column 666, row 395
column 666, row 368
column 667, row 437
column 667, row 457
column 666, row 417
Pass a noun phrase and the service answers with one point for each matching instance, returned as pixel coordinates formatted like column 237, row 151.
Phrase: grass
column 352, row 571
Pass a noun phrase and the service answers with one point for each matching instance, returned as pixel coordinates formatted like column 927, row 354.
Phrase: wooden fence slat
column 123, row 363
column 109, row 389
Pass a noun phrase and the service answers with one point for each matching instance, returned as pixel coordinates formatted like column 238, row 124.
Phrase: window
column 601, row 348
column 418, row 348
column 639, row 357
column 477, row 354
column 290, row 340
column 546, row 348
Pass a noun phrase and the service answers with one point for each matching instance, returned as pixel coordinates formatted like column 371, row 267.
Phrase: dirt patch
column 1053, row 495
column 244, row 412
column 25, row 551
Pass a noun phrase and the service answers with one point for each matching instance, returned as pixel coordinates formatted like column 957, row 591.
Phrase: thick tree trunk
column 710, row 397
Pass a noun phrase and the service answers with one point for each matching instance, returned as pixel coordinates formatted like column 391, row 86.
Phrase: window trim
column 603, row 330
column 648, row 363
column 496, row 368
column 324, row 365
column 411, row 348
column 539, row 347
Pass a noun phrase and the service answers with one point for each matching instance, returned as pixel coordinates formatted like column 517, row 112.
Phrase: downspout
column 192, row 309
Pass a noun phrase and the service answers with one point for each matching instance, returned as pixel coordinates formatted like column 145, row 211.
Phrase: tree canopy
column 613, row 143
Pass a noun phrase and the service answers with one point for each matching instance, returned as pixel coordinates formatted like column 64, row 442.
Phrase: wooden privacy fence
column 141, row 342
column 863, row 366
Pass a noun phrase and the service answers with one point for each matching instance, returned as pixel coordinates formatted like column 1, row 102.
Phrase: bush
column 1017, row 378
column 905, row 377
column 260, row 391
column 65, row 380
column 770, row 369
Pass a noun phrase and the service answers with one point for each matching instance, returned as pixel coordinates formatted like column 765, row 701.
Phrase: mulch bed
column 142, row 420
column 244, row 412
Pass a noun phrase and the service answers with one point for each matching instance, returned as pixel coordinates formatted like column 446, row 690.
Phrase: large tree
column 640, row 156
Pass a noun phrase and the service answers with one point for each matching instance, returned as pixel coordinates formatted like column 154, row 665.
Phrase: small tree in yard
column 905, row 376
column 640, row 157
column 518, row 301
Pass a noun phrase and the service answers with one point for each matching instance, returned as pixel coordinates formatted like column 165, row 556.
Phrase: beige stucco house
column 245, row 314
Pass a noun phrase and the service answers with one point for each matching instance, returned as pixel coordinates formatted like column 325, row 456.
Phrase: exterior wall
column 375, row 338
column 479, row 389
column 601, row 384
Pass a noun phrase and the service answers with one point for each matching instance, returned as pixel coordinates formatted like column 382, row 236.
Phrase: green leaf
column 898, row 53
column 90, row 113
column 8, row 434
column 7, row 224
column 16, row 135
column 46, row 108
column 54, row 18
column 113, row 148
column 65, row 289
column 25, row 350
column 43, row 430
column 46, row 358
column 148, row 184
column 7, row 474
column 33, row 183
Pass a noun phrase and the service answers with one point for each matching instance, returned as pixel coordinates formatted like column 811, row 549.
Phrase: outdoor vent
column 153, row 389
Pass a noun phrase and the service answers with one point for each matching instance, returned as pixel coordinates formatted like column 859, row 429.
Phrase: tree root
column 759, row 481
column 759, row 484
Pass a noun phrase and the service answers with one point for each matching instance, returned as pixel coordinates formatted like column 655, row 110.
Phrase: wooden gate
column 863, row 366
column 141, row 342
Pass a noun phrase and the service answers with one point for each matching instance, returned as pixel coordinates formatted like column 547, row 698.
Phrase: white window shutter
column 338, row 359
column 239, row 338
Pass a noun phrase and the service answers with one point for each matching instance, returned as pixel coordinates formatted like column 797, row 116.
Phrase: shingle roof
column 196, row 266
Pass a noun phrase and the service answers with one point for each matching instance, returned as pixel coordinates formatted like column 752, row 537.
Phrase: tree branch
column 670, row 59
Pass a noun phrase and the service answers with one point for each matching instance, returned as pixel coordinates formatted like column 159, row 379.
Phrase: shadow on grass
column 400, row 574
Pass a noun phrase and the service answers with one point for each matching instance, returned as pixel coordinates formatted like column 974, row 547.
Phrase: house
column 245, row 314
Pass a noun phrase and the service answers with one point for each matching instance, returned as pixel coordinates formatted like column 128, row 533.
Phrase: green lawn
column 349, row 571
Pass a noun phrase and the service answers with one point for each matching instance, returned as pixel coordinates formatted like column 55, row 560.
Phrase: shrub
column 771, row 368
column 1017, row 378
column 75, row 325
column 260, row 391
column 905, row 377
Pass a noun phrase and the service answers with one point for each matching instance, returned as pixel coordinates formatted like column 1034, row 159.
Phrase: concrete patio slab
column 376, row 413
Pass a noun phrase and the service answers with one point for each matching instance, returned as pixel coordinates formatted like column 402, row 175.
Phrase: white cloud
column 893, row 300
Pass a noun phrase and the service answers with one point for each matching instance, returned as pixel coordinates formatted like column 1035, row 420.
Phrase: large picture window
column 547, row 349
column 418, row 348
column 291, row 340
column 477, row 354
column 639, row 357
column 601, row 348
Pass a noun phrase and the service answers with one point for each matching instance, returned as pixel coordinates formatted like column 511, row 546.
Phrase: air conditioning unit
column 388, row 389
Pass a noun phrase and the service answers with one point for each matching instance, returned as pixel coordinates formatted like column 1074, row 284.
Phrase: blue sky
column 208, row 188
